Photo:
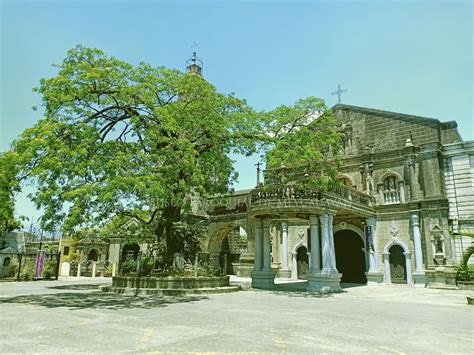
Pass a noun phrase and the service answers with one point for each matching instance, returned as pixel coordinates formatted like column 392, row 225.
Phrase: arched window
column 6, row 261
column 391, row 190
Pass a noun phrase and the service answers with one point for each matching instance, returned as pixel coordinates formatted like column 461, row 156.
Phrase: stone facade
column 399, row 161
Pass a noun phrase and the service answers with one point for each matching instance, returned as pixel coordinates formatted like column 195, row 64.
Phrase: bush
column 209, row 269
column 146, row 266
column 129, row 267
column 49, row 270
column 28, row 270
column 463, row 273
column 12, row 268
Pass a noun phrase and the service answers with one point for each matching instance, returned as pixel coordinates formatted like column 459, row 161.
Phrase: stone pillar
column 408, row 267
column 78, row 269
column 258, row 245
column 386, row 262
column 315, row 265
column 285, row 271
column 262, row 275
column 114, row 269
column 401, row 186
column 374, row 275
column 94, row 268
column 331, row 242
column 294, row 266
column 326, row 244
column 328, row 279
column 267, row 259
column 411, row 167
column 419, row 274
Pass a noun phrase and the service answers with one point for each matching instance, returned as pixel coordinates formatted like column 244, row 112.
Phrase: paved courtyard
column 71, row 316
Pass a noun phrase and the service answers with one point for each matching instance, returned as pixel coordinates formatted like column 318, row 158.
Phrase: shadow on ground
column 97, row 299
column 298, row 289
column 77, row 287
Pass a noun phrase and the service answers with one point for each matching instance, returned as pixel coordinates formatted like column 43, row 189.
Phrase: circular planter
column 169, row 285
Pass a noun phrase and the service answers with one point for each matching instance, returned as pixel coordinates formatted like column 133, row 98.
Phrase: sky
column 413, row 57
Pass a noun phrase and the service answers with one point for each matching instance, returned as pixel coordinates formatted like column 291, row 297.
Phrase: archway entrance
column 302, row 262
column 130, row 251
column 398, row 270
column 92, row 255
column 350, row 257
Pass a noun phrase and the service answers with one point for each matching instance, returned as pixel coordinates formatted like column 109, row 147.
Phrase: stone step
column 169, row 292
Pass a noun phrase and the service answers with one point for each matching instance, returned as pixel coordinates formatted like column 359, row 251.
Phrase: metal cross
column 258, row 173
column 338, row 92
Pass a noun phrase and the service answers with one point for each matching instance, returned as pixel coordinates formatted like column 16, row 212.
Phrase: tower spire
column 194, row 64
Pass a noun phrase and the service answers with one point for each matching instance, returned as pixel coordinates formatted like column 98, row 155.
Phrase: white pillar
column 258, row 245
column 266, row 247
column 284, row 236
column 78, row 269
column 419, row 267
column 373, row 266
column 94, row 268
column 326, row 244
column 386, row 262
column 408, row 267
column 294, row 266
column 114, row 269
column 315, row 265
column 331, row 241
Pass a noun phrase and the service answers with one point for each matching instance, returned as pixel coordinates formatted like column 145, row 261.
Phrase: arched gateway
column 279, row 216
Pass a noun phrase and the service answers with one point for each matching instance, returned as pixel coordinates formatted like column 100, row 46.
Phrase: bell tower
column 194, row 65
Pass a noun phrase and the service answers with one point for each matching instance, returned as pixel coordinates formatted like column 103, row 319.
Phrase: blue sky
column 412, row 57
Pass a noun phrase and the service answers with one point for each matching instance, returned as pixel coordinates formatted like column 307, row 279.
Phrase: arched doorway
column 302, row 262
column 350, row 256
column 92, row 255
column 398, row 271
column 130, row 251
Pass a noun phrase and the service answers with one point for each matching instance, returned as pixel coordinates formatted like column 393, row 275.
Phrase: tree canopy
column 121, row 140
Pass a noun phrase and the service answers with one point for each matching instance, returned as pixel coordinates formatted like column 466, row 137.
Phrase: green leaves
column 119, row 139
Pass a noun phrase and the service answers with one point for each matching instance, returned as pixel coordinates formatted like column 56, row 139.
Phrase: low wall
column 165, row 283
column 466, row 285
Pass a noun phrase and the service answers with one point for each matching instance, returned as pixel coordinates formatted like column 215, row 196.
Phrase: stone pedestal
column 245, row 265
column 284, row 274
column 324, row 282
column 374, row 277
column 263, row 280
column 442, row 278
column 419, row 279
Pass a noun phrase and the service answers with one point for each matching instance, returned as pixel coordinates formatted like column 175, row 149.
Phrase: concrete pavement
column 71, row 316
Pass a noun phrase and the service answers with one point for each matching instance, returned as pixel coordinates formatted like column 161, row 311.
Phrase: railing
column 298, row 192
column 391, row 197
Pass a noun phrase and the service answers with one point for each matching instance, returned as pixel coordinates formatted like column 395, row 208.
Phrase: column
column 419, row 276
column 372, row 259
column 315, row 266
column 326, row 244
column 331, row 241
column 386, row 261
column 258, row 245
column 401, row 186
column 408, row 267
column 415, row 220
column 266, row 247
column 284, row 237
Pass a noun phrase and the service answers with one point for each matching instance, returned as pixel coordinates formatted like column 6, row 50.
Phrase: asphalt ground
column 71, row 316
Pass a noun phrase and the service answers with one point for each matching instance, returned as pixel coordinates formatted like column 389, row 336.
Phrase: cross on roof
column 338, row 92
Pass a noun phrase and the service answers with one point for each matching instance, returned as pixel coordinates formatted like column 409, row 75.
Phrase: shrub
column 463, row 273
column 49, row 270
column 129, row 267
column 28, row 270
column 13, row 268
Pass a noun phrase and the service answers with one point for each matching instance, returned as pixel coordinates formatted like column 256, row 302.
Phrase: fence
column 31, row 266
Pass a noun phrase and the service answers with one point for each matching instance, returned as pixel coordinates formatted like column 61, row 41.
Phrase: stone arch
column 355, row 262
column 6, row 261
column 219, row 231
column 294, row 262
column 93, row 255
column 348, row 177
column 338, row 227
column 388, row 173
column 386, row 257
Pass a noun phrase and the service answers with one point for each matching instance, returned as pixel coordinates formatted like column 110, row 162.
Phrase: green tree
column 303, row 143
column 8, row 187
column 130, row 140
